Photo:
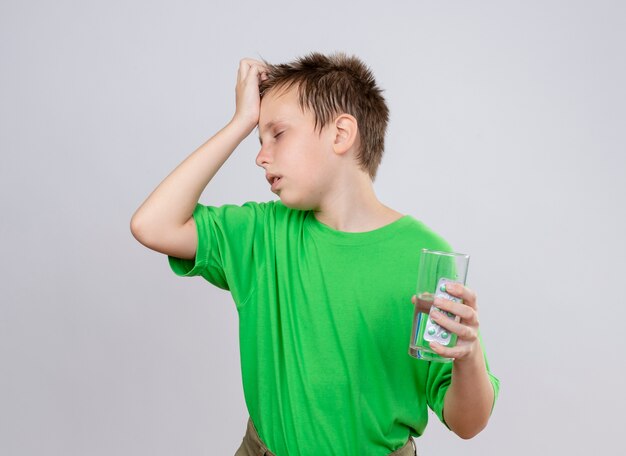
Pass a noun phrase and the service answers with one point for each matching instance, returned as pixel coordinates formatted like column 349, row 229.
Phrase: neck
column 352, row 205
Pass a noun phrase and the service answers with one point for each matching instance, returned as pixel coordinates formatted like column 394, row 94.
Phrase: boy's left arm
column 470, row 396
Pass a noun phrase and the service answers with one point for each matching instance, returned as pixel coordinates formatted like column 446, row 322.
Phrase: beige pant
column 253, row 446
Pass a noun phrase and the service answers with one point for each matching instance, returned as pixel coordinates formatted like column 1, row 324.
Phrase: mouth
column 273, row 179
column 275, row 182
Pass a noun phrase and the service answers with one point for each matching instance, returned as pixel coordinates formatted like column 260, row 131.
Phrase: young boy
column 320, row 277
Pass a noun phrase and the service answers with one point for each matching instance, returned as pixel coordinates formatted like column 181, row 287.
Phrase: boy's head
column 336, row 95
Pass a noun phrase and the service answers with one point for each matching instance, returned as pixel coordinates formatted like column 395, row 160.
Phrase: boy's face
column 290, row 148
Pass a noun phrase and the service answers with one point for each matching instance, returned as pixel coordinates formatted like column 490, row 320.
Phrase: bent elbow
column 140, row 232
column 135, row 228
column 469, row 433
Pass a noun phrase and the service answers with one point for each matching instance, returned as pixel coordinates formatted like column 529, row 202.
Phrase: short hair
column 329, row 85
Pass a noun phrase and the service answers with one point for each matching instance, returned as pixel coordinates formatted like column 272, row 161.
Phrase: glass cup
column 436, row 268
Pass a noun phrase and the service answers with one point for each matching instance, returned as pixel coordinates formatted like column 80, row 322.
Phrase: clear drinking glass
column 436, row 268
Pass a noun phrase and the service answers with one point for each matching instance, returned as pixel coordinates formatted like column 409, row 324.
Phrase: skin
column 320, row 173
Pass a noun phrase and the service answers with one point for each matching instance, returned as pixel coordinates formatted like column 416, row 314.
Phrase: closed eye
column 279, row 134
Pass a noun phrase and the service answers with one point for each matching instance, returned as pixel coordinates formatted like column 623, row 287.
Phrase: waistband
column 252, row 445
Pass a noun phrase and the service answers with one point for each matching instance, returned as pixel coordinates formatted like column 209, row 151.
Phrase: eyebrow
column 269, row 125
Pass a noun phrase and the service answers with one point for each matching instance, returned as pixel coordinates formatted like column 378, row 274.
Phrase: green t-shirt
column 325, row 320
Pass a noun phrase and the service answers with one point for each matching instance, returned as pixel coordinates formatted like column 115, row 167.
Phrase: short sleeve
column 439, row 380
column 229, row 239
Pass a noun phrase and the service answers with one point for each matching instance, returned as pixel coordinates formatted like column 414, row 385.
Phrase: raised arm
column 164, row 221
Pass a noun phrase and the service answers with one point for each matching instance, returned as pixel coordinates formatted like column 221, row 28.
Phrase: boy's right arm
column 164, row 221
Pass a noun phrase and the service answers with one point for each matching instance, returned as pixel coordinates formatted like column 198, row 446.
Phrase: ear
column 346, row 128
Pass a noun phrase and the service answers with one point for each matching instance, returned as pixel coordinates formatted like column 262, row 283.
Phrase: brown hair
column 329, row 85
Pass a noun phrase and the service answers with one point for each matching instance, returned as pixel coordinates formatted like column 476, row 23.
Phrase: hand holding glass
column 436, row 269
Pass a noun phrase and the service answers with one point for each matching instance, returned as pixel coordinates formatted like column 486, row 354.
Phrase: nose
column 263, row 156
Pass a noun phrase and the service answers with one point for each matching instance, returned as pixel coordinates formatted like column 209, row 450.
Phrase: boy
column 320, row 277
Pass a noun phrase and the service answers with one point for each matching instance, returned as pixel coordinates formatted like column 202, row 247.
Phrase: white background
column 506, row 137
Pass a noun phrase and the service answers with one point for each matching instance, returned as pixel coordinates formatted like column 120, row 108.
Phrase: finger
column 251, row 61
column 450, row 352
column 423, row 302
column 263, row 75
column 460, row 291
column 463, row 331
column 244, row 67
column 457, row 308
column 255, row 73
